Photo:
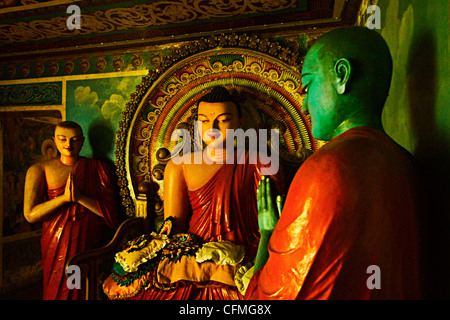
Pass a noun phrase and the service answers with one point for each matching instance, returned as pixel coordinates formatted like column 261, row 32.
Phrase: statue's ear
column 343, row 70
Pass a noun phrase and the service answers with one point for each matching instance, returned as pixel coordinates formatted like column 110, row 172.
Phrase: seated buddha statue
column 211, row 219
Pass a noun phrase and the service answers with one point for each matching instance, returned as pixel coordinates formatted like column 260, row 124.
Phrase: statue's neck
column 358, row 119
column 217, row 155
column 69, row 161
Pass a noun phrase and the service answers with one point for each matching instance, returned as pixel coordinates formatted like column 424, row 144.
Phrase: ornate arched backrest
column 265, row 74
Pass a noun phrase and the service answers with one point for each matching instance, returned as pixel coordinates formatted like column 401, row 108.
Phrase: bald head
column 369, row 56
column 347, row 75
column 69, row 125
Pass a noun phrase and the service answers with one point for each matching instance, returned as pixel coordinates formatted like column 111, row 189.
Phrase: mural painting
column 97, row 105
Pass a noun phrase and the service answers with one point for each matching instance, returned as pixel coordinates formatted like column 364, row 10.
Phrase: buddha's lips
column 213, row 135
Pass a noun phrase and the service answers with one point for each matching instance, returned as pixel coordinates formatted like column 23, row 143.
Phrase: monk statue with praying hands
column 74, row 198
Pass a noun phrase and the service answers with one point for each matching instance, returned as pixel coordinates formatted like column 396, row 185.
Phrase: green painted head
column 346, row 76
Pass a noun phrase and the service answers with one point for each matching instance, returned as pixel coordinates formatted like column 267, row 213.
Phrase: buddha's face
column 215, row 118
column 69, row 141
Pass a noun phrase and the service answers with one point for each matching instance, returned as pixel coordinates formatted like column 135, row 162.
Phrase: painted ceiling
column 36, row 28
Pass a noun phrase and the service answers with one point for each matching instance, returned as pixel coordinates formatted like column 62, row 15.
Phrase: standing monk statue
column 348, row 228
column 74, row 198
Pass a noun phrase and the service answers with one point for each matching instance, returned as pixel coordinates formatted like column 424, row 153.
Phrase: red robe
column 351, row 205
column 223, row 209
column 74, row 228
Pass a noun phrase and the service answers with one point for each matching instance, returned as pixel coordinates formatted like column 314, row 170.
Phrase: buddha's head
column 218, row 111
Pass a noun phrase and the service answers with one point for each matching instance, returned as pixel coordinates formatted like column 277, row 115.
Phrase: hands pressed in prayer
column 71, row 193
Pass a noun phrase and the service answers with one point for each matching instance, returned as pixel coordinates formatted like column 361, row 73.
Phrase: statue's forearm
column 90, row 204
column 263, row 253
column 42, row 211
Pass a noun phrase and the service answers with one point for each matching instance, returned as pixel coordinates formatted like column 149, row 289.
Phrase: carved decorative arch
column 265, row 73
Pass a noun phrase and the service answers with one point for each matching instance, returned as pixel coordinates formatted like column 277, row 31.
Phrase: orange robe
column 351, row 205
column 223, row 209
column 74, row 228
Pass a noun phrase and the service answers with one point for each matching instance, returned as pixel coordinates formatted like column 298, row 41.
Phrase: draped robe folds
column 223, row 209
column 74, row 228
column 352, row 205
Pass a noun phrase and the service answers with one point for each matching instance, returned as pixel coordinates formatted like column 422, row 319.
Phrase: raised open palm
column 269, row 210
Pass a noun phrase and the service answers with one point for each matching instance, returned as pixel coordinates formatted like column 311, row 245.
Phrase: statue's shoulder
column 39, row 169
column 186, row 160
column 43, row 165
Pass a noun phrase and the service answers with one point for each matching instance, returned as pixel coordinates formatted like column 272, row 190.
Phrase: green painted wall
column 417, row 115
column 97, row 105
